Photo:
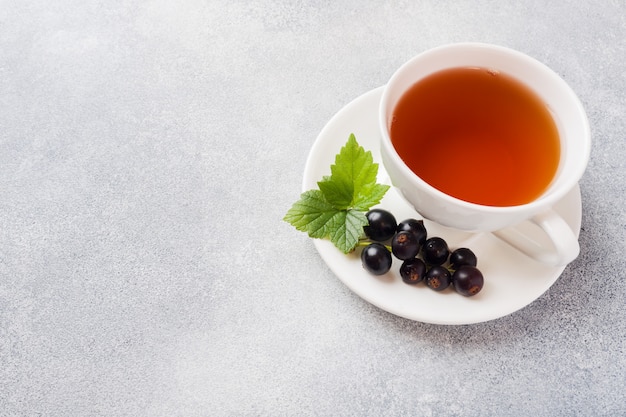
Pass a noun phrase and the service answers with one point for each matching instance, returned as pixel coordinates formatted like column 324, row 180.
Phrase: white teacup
column 575, row 141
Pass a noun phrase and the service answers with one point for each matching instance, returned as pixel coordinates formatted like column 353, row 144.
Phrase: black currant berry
column 376, row 259
column 436, row 251
column 463, row 256
column 438, row 278
column 413, row 270
column 381, row 225
column 414, row 226
column 404, row 245
column 468, row 280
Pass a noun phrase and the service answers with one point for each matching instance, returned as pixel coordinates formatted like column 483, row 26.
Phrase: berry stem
column 366, row 242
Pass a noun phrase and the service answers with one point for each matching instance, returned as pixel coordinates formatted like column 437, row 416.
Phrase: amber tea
column 477, row 135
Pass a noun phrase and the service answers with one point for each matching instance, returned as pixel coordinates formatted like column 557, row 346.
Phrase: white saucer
column 512, row 280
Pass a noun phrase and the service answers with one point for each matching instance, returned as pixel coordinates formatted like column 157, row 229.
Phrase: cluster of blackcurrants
column 424, row 259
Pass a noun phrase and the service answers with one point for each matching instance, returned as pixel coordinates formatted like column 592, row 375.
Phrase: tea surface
column 478, row 135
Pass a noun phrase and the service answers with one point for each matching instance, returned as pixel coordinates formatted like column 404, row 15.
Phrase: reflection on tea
column 477, row 135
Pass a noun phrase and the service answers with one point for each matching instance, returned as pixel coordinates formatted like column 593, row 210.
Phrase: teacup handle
column 564, row 248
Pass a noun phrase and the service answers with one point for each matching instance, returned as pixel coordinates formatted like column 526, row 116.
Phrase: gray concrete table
column 148, row 152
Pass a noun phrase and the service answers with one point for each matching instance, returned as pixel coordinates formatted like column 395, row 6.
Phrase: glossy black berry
column 404, row 245
column 436, row 251
column 463, row 256
column 413, row 270
column 381, row 225
column 468, row 280
column 414, row 226
column 438, row 278
column 376, row 259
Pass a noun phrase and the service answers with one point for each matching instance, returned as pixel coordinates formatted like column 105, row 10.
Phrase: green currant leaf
column 353, row 171
column 370, row 196
column 311, row 214
column 338, row 193
column 348, row 229
column 335, row 211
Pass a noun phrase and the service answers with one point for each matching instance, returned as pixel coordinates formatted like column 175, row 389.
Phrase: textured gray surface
column 148, row 151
